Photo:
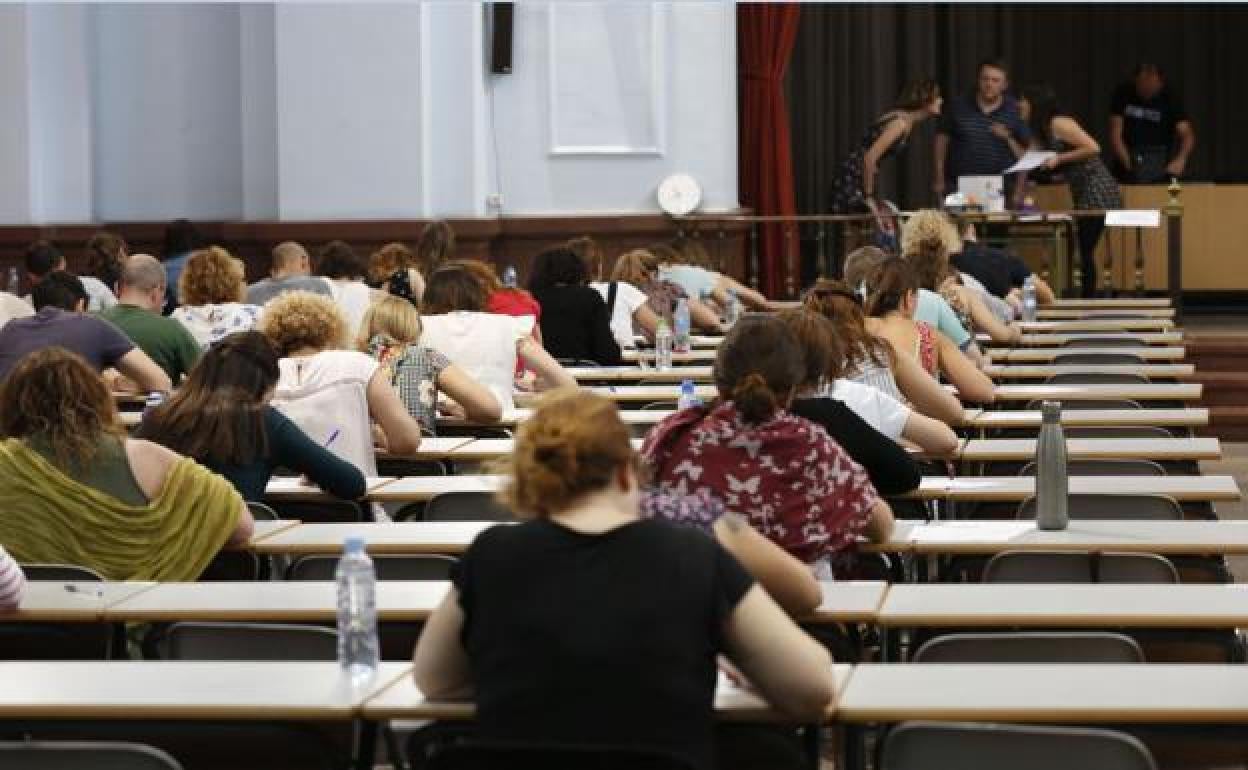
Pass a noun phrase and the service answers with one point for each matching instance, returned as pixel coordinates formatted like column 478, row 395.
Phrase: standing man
column 1148, row 129
column 979, row 134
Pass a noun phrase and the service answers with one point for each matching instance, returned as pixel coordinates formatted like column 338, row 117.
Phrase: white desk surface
column 417, row 489
column 1160, row 537
column 1041, row 354
column 1019, row 488
column 294, row 489
column 638, row 374
column 1043, row 340
column 1135, row 308
column 59, row 601
column 1093, row 324
column 1045, row 371
column 449, row 537
column 695, row 356
column 1153, row 391
column 1020, row 449
column 990, row 419
column 1107, row 303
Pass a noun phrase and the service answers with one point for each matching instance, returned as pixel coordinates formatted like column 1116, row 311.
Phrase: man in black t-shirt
column 1149, row 130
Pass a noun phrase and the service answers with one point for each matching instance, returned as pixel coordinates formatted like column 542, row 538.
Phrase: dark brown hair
column 105, row 252
column 888, row 285
column 218, row 414
column 929, row 259
column 758, row 366
column 843, row 308
column 823, row 354
column 56, row 398
column 388, row 260
column 453, row 287
column 337, row 259
column 917, row 94
column 591, row 254
column 436, row 245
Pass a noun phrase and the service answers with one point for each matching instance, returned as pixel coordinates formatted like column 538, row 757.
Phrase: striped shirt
column 973, row 149
column 12, row 582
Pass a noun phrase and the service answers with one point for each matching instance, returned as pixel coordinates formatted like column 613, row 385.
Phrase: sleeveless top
column 1091, row 184
column 848, row 196
column 108, row 472
column 925, row 349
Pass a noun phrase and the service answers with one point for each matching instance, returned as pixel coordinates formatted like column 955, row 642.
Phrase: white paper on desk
column 971, row 531
column 1031, row 159
column 1133, row 218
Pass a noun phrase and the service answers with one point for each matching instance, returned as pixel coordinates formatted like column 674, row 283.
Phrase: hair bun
column 754, row 398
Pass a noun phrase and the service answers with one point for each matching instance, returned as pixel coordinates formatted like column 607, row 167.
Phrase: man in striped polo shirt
column 979, row 134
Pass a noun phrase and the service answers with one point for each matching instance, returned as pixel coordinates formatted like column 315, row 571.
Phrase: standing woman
column 1079, row 159
column 854, row 186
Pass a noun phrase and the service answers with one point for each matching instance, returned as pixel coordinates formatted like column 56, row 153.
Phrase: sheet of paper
column 1133, row 218
column 1031, row 159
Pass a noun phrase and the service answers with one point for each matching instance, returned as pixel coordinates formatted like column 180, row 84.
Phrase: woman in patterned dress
column 854, row 186
column 1079, row 161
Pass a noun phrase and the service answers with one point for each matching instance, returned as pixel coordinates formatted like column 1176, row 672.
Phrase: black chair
column 480, row 755
column 1115, row 431
column 1104, row 342
column 249, row 641
column 1030, row 647
column 465, row 506
column 1113, row 507
column 327, row 511
column 387, row 566
column 976, row 746
column 84, row 755
column 60, row 641
column 1096, row 359
column 1086, row 403
column 1099, row 467
column 1075, row 567
column 1096, row 378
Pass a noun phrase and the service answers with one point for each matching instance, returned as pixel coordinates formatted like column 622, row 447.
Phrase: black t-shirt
column 598, row 639
column 997, row 270
column 1148, row 122
column 891, row 468
column 575, row 325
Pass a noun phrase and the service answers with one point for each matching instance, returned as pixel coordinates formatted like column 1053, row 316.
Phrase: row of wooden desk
column 1032, row 371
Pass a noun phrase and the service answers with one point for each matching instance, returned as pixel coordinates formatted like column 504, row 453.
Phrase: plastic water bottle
column 732, row 308
column 1029, row 298
column 358, row 647
column 688, row 396
column 509, row 277
column 153, row 400
column 663, row 346
column 1051, row 479
column 14, row 286
column 680, row 319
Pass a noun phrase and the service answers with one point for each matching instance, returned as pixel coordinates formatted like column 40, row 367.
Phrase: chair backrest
column 64, row 572
column 249, row 641
column 1031, row 647
column 1086, row 403
column 1116, row 431
column 1064, row 567
column 57, row 641
column 660, row 406
column 1096, row 359
column 1113, row 507
column 974, row 746
column 261, row 511
column 1104, row 342
column 480, row 755
column 324, row 511
column 1104, row 467
column 466, row 506
column 1096, row 378
column 84, row 755
column 387, row 567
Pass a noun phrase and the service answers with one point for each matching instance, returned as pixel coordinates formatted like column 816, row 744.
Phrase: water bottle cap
column 353, row 544
column 686, row 384
column 1051, row 411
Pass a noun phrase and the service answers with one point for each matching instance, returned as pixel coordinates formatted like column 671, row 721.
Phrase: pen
column 332, row 437
column 98, row 593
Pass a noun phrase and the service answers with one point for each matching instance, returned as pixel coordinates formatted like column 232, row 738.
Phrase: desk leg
column 854, row 748
column 366, row 748
column 812, row 745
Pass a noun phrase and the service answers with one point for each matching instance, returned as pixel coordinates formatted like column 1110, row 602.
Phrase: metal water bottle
column 1052, row 483
column 1029, row 298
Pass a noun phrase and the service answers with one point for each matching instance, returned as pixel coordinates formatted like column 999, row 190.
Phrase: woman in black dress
column 853, row 190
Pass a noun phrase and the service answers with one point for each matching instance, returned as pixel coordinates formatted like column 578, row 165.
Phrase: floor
column 1234, row 462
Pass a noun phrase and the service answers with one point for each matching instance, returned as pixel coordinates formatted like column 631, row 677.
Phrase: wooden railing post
column 1174, row 248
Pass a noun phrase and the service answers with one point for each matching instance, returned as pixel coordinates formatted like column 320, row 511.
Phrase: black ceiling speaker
column 499, row 29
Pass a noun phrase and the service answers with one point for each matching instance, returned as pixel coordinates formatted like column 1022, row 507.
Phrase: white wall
column 359, row 110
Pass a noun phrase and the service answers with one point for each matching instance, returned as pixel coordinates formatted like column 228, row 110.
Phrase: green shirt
column 164, row 340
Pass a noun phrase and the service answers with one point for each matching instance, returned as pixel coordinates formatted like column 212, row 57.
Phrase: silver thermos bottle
column 1051, row 479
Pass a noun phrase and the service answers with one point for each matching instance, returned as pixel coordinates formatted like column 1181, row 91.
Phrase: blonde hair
column 393, row 319
column 927, row 239
column 635, row 267
column 573, row 445
column 301, row 319
column 212, row 276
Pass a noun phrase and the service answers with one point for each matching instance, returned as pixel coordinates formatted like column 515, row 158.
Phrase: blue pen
column 332, row 437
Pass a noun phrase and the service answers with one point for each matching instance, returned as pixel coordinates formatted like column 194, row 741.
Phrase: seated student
column 892, row 295
column 42, row 259
column 586, row 625
column 222, row 418
column 780, row 471
column 640, row 268
column 75, row 490
column 213, row 291
column 346, row 271
column 105, row 252
column 930, row 308
column 141, row 295
column 500, row 299
column 486, row 345
column 334, row 394
column 694, row 263
column 890, row 467
column 392, row 268
column 627, row 305
column 390, row 333
column 575, row 322
column 60, row 320
column 869, row 359
column 291, row 270
column 12, row 583
column 435, row 246
column 13, row 306
column 181, row 240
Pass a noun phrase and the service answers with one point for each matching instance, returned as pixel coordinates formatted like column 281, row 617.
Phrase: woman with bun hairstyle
column 586, row 590
column 783, row 473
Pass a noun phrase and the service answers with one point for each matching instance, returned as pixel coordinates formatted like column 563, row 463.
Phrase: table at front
column 1106, row 303
column 62, row 601
column 1066, row 311
column 1047, row 354
column 1024, row 449
column 447, row 537
column 695, row 356
column 990, row 537
column 1149, row 391
column 1067, row 326
column 289, row 489
column 1045, row 371
column 639, row 374
column 1056, row 340
column 998, row 419
column 636, row 393
column 1018, row 488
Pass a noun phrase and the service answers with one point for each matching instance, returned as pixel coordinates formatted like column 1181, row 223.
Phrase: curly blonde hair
column 301, row 319
column 927, row 240
column 212, row 276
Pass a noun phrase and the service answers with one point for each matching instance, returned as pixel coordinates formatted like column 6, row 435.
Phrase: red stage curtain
column 766, row 33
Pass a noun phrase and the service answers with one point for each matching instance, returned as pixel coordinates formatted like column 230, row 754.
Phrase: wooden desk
column 1115, row 312
column 1161, row 537
column 420, row 489
column 1019, row 488
column 1152, row 391
column 1075, row 324
column 287, row 489
column 1106, row 303
column 449, row 537
column 1030, row 418
column 1056, row 693
column 1023, row 449
column 1052, row 340
column 1066, row 605
column 122, row 689
column 486, row 449
column 59, row 601
column 439, row 447
column 695, row 356
column 402, row 700
column 641, row 393
column 638, row 374
column 644, row 418
column 1043, row 354
column 267, row 528
column 1045, row 371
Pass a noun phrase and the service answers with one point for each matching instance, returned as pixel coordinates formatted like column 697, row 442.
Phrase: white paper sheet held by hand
column 1031, row 159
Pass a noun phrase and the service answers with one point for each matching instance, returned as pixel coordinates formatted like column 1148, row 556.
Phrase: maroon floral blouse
column 792, row 482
